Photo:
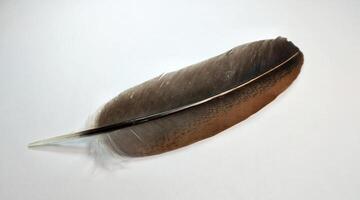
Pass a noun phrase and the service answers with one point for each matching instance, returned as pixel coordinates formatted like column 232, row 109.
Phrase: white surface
column 60, row 60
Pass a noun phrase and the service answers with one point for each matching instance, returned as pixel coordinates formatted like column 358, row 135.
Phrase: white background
column 61, row 59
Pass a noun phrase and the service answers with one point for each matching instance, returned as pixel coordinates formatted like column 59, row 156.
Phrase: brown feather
column 196, row 102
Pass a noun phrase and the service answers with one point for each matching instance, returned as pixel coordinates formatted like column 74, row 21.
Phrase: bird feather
column 182, row 107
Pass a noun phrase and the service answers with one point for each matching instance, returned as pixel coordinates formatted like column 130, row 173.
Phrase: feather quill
column 182, row 107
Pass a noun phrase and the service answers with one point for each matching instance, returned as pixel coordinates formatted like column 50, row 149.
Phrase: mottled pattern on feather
column 196, row 83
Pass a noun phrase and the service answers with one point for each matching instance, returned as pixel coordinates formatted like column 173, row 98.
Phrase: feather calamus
column 182, row 107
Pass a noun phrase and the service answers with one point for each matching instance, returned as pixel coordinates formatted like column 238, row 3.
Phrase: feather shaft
column 182, row 107
column 128, row 123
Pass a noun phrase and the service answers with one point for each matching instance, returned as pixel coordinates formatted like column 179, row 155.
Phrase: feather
column 182, row 107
